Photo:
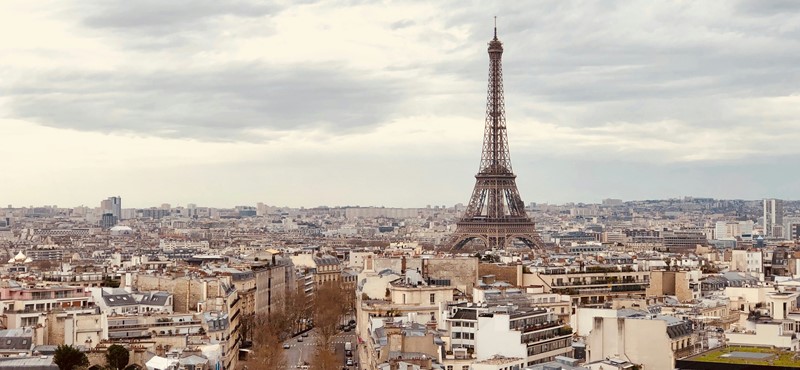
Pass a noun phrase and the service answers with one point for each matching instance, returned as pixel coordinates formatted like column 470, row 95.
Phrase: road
column 299, row 353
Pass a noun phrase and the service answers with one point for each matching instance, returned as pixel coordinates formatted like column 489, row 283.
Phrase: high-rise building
column 112, row 205
column 773, row 218
column 108, row 221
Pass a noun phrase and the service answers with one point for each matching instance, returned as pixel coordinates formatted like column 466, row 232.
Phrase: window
column 433, row 298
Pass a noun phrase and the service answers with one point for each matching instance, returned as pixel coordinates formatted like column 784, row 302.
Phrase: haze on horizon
column 224, row 103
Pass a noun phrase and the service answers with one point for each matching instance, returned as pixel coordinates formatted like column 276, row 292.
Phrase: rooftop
column 749, row 356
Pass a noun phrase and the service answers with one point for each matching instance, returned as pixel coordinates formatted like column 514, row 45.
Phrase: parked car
column 286, row 346
column 349, row 362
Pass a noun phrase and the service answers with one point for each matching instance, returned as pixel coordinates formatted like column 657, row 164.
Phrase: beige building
column 673, row 283
column 87, row 328
column 652, row 342
column 590, row 287
column 460, row 272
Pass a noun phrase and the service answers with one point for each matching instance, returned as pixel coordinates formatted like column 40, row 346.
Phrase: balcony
column 605, row 282
column 560, row 333
column 592, row 270
column 153, row 325
column 533, row 328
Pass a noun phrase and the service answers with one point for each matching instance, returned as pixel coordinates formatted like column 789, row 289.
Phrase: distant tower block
column 495, row 214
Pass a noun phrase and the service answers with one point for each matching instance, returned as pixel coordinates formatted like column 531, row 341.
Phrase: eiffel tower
column 496, row 213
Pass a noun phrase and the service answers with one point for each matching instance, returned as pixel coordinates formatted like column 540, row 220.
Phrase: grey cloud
column 401, row 24
column 157, row 15
column 154, row 24
column 594, row 63
column 768, row 8
column 224, row 104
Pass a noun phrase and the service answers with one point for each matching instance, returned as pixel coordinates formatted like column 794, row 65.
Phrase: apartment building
column 592, row 285
column 529, row 333
column 23, row 306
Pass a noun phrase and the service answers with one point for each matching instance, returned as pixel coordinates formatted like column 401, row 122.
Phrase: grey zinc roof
column 466, row 315
column 28, row 363
column 193, row 360
column 18, row 340
column 45, row 349
column 115, row 300
column 679, row 330
column 155, row 299
column 326, row 260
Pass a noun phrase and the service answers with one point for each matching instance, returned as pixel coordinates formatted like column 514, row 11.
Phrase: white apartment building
column 751, row 261
column 532, row 334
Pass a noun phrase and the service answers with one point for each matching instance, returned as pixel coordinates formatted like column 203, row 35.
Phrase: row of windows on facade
column 458, row 335
column 464, row 324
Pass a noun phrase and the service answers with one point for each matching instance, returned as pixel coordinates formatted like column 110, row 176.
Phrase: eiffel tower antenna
column 496, row 213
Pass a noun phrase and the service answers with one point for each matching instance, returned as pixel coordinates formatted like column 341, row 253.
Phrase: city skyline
column 238, row 103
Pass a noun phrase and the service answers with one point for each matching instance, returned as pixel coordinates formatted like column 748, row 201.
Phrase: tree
column 111, row 283
column 268, row 331
column 68, row 357
column 298, row 308
column 324, row 359
column 267, row 352
column 246, row 324
column 333, row 301
column 117, row 357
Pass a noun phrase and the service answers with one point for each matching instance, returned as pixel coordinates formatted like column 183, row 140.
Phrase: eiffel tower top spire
column 495, row 158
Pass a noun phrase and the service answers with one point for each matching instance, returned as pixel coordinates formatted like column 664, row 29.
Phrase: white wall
column 583, row 319
column 494, row 338
column 639, row 341
column 765, row 335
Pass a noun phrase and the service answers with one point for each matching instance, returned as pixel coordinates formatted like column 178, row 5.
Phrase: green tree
column 111, row 283
column 68, row 357
column 117, row 357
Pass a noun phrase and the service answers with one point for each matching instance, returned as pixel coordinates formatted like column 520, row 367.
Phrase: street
column 300, row 353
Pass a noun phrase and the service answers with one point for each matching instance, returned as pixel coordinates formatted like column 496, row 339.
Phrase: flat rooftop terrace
column 761, row 356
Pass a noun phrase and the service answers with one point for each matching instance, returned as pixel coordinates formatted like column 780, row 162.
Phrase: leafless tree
column 267, row 352
column 333, row 301
column 324, row 359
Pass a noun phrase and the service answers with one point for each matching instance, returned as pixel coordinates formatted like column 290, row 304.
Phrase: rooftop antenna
column 495, row 27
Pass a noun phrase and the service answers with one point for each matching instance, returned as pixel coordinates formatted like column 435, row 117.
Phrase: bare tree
column 267, row 352
column 298, row 308
column 324, row 359
column 332, row 302
column 268, row 332
column 247, row 323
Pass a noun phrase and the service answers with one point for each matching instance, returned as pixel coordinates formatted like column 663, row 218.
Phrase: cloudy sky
column 362, row 102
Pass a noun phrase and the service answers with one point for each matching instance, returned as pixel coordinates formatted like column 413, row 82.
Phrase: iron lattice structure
column 496, row 213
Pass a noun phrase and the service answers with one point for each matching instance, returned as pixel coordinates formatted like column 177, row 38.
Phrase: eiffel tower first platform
column 496, row 213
